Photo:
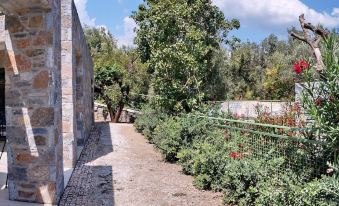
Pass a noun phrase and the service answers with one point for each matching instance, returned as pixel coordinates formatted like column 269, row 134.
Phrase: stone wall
column 33, row 99
column 247, row 109
column 48, row 93
column 77, row 75
column 84, row 82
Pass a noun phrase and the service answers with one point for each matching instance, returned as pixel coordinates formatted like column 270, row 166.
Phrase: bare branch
column 300, row 37
column 318, row 32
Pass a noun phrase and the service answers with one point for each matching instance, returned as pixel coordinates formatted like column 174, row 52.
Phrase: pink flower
column 331, row 98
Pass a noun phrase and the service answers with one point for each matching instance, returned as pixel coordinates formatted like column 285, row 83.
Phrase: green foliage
column 120, row 76
column 206, row 158
column 177, row 133
column 242, row 178
column 148, row 120
column 289, row 190
column 111, row 85
column 177, row 39
column 321, row 99
column 249, row 71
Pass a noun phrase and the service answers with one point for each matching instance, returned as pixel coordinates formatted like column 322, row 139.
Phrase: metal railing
column 302, row 149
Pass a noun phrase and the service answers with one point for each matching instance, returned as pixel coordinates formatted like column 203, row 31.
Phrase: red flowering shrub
column 320, row 96
column 291, row 116
column 234, row 155
column 318, row 101
column 300, row 66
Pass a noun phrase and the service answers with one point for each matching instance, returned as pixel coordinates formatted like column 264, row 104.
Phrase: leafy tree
column 177, row 41
column 120, row 76
column 111, row 86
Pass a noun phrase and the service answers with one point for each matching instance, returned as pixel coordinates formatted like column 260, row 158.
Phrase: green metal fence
column 301, row 148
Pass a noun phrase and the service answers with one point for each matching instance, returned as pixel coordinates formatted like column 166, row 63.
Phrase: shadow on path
column 91, row 183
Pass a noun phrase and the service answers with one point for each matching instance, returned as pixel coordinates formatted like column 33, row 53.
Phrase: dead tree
column 312, row 39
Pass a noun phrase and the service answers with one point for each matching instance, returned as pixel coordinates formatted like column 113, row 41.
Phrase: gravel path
column 118, row 167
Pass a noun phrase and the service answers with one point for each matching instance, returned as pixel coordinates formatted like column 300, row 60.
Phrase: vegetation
column 177, row 41
column 256, row 71
column 321, row 93
column 252, row 169
column 119, row 75
column 181, row 52
column 217, row 163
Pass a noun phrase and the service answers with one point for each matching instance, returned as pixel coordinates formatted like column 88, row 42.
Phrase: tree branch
column 314, row 43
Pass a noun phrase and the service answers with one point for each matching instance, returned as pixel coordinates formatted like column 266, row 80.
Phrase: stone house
column 47, row 90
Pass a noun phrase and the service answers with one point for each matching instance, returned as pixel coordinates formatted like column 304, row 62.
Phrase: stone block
column 42, row 117
column 26, row 195
column 41, row 80
column 17, row 173
column 40, row 140
column 22, row 43
column 38, row 173
column 43, row 39
column 36, row 21
column 34, row 52
column 25, row 159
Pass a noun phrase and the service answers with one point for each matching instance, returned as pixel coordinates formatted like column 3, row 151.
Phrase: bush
column 224, row 162
column 148, row 120
column 177, row 133
column 206, row 158
column 288, row 189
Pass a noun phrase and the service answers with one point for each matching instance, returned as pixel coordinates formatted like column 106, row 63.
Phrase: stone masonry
column 48, row 94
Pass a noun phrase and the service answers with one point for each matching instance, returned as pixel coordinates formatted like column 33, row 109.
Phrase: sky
column 258, row 18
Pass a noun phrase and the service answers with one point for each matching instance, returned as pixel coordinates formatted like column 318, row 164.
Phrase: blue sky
column 258, row 18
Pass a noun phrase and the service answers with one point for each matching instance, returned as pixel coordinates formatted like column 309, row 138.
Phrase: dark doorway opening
column 2, row 106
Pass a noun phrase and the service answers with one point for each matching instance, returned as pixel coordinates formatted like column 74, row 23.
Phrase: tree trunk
column 118, row 113
column 320, row 63
column 111, row 111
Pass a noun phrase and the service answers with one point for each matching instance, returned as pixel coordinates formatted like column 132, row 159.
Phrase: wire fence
column 302, row 149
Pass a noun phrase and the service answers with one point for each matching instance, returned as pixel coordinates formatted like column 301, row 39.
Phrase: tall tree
column 177, row 40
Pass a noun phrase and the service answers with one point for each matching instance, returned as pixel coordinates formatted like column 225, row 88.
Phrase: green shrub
column 321, row 192
column 148, row 120
column 279, row 189
column 289, row 189
column 167, row 138
column 177, row 133
column 206, row 158
column 242, row 177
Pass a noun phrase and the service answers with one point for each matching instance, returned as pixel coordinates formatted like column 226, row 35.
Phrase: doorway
column 3, row 155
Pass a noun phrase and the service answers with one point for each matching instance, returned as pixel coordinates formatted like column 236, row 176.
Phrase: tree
column 177, row 41
column 120, row 77
column 110, row 85
column 312, row 39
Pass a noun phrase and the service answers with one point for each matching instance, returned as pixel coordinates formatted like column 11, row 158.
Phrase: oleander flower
column 234, row 155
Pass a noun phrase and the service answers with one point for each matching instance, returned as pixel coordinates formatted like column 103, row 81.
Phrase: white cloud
column 275, row 14
column 83, row 14
column 335, row 12
column 128, row 37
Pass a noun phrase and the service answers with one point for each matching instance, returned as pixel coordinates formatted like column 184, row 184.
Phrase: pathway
column 118, row 167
